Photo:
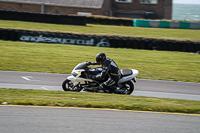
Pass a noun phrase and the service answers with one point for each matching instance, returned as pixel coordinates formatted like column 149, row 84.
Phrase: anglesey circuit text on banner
column 82, row 41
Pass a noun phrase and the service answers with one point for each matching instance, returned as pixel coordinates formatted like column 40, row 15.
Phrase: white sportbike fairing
column 79, row 80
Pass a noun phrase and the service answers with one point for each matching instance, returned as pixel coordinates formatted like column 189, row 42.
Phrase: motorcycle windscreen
column 81, row 66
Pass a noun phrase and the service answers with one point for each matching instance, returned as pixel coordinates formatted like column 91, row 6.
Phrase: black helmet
column 100, row 58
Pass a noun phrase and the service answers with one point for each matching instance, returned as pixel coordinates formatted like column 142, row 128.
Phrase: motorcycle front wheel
column 67, row 85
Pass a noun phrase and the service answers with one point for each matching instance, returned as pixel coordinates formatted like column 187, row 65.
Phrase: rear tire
column 129, row 87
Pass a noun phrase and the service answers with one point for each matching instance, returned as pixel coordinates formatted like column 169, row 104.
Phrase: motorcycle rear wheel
column 129, row 87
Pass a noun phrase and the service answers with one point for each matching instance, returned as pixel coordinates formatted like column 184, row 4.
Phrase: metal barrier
column 166, row 24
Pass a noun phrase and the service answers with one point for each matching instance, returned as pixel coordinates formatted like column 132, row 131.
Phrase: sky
column 187, row 1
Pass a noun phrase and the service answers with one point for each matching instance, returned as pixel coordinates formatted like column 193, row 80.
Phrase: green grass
column 57, row 58
column 107, row 29
column 61, row 58
column 97, row 100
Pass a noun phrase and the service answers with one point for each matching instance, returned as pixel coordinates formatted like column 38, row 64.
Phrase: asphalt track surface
column 16, row 119
column 21, row 119
column 151, row 88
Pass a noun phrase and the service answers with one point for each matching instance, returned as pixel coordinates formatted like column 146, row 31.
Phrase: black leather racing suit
column 110, row 68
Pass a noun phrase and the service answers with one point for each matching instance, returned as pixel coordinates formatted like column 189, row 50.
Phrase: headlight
column 74, row 74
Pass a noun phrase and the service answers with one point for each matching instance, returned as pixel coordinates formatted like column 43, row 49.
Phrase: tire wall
column 144, row 23
column 106, row 21
column 82, row 20
column 43, row 18
column 102, row 41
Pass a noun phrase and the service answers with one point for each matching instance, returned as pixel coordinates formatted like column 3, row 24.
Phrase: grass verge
column 97, row 100
column 107, row 29
column 61, row 58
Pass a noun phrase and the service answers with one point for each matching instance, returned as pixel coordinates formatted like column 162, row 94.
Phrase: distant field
column 61, row 58
column 107, row 29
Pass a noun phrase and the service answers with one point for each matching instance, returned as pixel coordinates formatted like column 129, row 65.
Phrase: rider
column 110, row 68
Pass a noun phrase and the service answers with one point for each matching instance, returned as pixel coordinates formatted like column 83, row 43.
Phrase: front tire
column 67, row 85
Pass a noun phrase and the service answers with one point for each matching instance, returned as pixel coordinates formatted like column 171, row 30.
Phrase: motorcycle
column 78, row 80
